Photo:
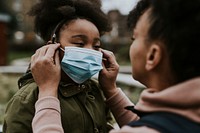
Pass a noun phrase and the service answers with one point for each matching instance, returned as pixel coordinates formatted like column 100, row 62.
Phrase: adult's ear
column 154, row 56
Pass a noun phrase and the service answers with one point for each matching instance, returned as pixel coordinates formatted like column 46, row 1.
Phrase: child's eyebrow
column 85, row 37
column 80, row 36
column 97, row 39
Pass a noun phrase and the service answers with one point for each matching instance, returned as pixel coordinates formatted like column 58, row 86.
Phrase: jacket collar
column 70, row 89
column 66, row 89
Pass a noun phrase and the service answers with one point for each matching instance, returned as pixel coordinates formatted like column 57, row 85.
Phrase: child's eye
column 79, row 44
column 97, row 47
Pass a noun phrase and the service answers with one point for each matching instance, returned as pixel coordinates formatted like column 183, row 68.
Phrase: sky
column 124, row 6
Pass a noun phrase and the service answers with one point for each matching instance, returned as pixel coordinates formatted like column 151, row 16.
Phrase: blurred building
column 119, row 34
column 4, row 19
column 119, row 39
column 24, row 34
column 23, row 37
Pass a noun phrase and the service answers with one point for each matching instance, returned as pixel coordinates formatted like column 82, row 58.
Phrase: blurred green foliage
column 8, row 87
column 13, row 55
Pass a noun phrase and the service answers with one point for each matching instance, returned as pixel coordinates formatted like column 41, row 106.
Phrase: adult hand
column 108, row 75
column 46, row 71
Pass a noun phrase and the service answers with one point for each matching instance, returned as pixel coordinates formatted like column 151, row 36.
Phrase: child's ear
column 153, row 57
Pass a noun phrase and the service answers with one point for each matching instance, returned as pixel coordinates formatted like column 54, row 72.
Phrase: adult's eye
column 132, row 39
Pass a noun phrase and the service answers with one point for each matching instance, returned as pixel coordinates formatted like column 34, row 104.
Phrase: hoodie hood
column 182, row 99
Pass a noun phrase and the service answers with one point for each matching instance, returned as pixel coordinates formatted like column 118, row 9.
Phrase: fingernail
column 62, row 49
column 104, row 59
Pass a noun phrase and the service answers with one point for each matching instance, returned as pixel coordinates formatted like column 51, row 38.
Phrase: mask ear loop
column 55, row 31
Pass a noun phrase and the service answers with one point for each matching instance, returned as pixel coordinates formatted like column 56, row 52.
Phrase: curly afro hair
column 48, row 13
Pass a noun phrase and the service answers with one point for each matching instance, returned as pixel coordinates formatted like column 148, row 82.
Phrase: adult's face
column 139, row 48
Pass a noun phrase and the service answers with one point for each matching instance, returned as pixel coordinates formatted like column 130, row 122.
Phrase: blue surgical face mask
column 81, row 64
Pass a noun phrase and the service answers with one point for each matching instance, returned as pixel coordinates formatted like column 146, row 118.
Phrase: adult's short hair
column 177, row 24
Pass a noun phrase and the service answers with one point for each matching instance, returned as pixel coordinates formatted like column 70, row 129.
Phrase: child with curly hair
column 74, row 27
